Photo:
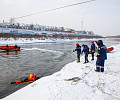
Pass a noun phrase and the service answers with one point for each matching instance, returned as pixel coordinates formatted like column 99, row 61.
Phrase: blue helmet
column 83, row 45
column 100, row 42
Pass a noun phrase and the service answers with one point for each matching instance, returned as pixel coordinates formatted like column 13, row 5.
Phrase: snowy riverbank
column 90, row 85
column 4, row 41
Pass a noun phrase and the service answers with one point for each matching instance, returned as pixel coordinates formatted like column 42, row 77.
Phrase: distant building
column 90, row 32
column 38, row 28
column 69, row 30
column 85, row 32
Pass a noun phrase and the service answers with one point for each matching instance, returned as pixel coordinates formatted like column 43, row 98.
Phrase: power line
column 55, row 9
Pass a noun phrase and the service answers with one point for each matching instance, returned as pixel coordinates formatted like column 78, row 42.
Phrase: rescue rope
column 75, row 80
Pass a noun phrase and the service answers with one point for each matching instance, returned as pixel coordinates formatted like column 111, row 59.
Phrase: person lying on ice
column 86, row 52
column 101, row 56
column 32, row 77
column 92, row 49
column 78, row 49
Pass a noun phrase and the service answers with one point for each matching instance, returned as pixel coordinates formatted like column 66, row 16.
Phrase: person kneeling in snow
column 86, row 51
column 78, row 49
column 101, row 56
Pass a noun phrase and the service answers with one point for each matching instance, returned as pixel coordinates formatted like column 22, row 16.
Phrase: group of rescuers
column 101, row 54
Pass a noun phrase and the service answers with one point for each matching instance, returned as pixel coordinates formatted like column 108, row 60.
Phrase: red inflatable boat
column 109, row 49
column 10, row 48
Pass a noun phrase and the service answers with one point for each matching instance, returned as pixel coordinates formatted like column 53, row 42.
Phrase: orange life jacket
column 32, row 77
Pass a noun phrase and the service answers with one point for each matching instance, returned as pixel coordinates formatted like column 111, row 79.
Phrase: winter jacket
column 102, row 55
column 85, row 49
column 92, row 47
column 78, row 49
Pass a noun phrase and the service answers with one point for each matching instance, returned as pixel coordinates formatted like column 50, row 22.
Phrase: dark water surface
column 36, row 58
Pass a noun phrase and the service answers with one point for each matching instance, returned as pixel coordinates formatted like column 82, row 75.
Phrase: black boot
column 97, row 69
column 78, row 60
column 102, row 68
column 85, row 62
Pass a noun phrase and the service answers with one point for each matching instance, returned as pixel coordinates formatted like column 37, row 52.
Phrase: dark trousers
column 78, row 57
column 99, row 63
column 86, row 57
column 92, row 55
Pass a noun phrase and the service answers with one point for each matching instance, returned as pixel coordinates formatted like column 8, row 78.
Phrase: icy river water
column 36, row 58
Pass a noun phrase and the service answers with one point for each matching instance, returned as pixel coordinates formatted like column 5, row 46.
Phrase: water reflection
column 5, row 53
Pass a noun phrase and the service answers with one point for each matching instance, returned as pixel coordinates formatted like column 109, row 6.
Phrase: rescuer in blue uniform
column 86, row 52
column 101, row 56
column 92, row 49
column 78, row 49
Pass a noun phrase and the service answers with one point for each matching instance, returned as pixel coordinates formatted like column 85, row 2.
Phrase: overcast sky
column 100, row 16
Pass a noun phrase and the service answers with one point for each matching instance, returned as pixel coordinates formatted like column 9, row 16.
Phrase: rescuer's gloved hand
column 73, row 51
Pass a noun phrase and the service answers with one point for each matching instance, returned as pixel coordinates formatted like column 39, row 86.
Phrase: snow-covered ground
column 77, row 81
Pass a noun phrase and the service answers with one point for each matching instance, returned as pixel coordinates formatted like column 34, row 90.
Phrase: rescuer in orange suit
column 32, row 77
